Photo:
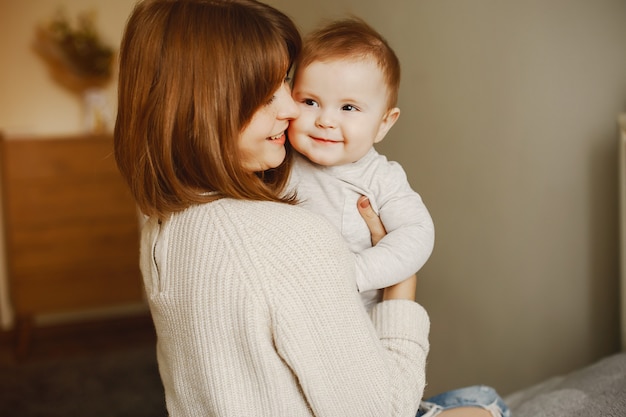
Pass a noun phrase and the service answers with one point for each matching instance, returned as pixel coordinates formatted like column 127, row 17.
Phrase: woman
column 242, row 284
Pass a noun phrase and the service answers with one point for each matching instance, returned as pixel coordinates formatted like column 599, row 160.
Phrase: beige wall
column 509, row 133
column 30, row 101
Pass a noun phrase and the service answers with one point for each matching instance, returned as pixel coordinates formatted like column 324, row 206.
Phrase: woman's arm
column 346, row 362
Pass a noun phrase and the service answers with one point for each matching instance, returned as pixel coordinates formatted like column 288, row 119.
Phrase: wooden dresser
column 71, row 228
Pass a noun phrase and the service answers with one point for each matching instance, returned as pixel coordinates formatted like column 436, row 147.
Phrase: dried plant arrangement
column 76, row 55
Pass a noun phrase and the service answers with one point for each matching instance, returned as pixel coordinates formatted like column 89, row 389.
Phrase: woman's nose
column 288, row 108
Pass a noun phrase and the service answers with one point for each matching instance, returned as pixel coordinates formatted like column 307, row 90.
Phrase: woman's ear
column 389, row 119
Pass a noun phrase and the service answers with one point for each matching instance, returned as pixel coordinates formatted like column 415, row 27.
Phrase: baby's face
column 343, row 110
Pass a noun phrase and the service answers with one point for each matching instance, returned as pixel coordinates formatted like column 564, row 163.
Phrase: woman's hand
column 404, row 290
column 377, row 229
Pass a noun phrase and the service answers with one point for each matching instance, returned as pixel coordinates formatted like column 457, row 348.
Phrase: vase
column 97, row 116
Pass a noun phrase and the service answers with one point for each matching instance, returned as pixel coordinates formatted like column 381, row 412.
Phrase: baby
column 346, row 85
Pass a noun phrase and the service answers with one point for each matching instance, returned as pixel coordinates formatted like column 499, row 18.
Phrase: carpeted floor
column 123, row 383
column 84, row 375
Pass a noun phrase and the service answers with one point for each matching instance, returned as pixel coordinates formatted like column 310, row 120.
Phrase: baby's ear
column 389, row 119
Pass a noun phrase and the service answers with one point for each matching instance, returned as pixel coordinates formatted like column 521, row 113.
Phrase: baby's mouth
column 324, row 140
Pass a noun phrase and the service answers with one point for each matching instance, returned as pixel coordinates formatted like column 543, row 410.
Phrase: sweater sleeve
column 346, row 363
column 410, row 233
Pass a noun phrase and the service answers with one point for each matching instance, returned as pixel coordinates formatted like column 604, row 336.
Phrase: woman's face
column 262, row 141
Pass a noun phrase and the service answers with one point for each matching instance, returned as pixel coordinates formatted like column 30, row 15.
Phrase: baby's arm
column 408, row 244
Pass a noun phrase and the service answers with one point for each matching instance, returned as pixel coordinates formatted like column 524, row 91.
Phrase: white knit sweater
column 257, row 314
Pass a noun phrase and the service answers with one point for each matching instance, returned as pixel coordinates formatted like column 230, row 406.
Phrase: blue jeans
column 474, row 396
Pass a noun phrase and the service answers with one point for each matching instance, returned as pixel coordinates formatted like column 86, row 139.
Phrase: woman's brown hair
column 192, row 74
